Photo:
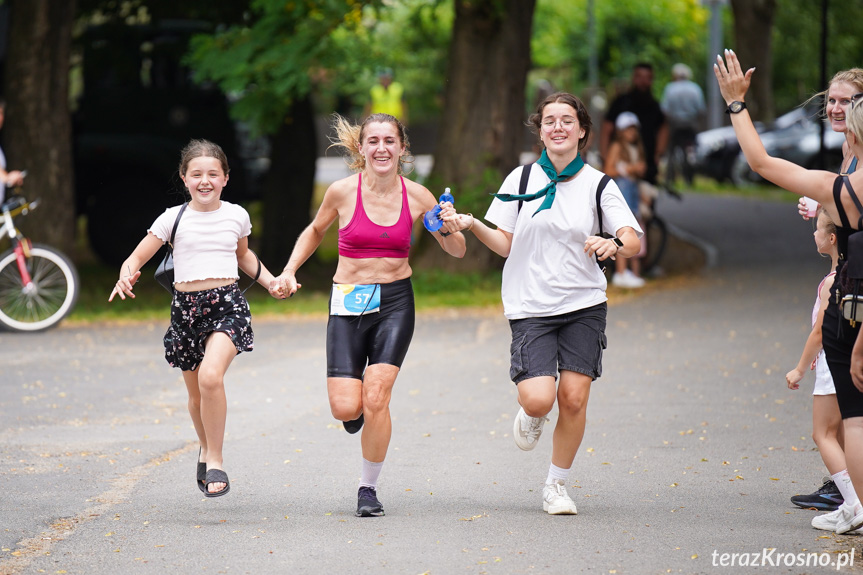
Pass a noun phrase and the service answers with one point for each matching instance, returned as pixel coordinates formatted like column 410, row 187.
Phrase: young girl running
column 826, row 419
column 210, row 318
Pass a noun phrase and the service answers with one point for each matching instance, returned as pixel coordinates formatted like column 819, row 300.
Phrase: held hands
column 602, row 247
column 284, row 286
column 454, row 221
column 733, row 82
column 123, row 287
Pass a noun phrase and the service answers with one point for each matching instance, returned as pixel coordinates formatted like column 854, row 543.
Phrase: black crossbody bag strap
column 176, row 224
column 257, row 275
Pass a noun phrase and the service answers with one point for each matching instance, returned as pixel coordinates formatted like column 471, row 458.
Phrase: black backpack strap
column 854, row 199
column 522, row 185
column 599, row 189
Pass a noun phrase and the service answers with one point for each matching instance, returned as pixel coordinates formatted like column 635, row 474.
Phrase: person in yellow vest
column 387, row 97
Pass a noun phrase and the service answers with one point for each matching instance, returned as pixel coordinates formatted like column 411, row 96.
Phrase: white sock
column 555, row 472
column 371, row 471
column 843, row 483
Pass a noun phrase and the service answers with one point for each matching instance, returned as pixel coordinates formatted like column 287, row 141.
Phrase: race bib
column 349, row 299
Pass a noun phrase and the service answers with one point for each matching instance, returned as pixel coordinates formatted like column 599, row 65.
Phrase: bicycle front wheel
column 47, row 299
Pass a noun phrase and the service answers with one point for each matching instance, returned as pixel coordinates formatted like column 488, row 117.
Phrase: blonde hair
column 854, row 120
column 853, row 76
column 829, row 224
column 350, row 137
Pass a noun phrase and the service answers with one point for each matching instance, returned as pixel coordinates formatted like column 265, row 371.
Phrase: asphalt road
column 693, row 445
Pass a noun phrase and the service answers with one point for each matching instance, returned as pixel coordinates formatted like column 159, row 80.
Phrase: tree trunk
column 289, row 185
column 482, row 128
column 753, row 32
column 38, row 134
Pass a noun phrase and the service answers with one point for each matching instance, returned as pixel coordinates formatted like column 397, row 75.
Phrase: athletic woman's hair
column 350, row 137
column 535, row 119
column 853, row 76
column 202, row 148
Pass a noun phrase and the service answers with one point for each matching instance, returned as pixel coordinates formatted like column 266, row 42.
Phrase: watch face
column 618, row 241
column 736, row 107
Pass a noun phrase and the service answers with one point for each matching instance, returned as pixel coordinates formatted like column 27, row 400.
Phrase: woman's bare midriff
column 371, row 270
column 201, row 285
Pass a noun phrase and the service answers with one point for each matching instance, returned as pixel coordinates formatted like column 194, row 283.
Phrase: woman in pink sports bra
column 371, row 305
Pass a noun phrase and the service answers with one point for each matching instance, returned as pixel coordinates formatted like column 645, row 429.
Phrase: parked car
column 795, row 136
column 716, row 152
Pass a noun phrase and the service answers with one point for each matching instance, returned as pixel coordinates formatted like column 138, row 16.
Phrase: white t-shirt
column 205, row 245
column 547, row 272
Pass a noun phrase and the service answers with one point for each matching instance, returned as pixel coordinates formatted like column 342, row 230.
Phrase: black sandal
column 217, row 476
column 201, row 474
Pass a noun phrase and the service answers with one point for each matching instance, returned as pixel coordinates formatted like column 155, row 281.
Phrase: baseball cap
column 625, row 120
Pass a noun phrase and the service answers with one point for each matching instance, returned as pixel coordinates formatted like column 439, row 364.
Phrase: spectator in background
column 387, row 97
column 640, row 101
column 7, row 178
column 683, row 106
column 626, row 164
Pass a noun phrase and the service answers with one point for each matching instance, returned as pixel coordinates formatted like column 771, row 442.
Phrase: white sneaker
column 848, row 520
column 627, row 279
column 526, row 430
column 828, row 521
column 555, row 500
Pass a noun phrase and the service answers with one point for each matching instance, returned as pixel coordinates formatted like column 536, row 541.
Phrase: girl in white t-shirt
column 553, row 291
column 210, row 318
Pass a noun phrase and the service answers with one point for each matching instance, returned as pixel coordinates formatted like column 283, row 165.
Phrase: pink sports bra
column 362, row 238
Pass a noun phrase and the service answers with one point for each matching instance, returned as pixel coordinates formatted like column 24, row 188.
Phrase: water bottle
column 431, row 219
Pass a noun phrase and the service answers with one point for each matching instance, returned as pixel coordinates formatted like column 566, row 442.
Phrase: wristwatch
column 618, row 242
column 735, row 107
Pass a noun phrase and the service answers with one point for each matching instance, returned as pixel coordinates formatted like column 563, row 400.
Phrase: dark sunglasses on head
column 856, row 97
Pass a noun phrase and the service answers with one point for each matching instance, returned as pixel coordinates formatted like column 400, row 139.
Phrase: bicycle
column 38, row 284
column 656, row 232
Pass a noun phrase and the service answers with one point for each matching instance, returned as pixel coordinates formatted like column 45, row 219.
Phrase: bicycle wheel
column 657, row 236
column 49, row 297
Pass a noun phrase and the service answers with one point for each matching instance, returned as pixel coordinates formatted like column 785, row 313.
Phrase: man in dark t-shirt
column 640, row 101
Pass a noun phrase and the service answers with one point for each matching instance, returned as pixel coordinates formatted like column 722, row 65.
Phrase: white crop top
column 205, row 245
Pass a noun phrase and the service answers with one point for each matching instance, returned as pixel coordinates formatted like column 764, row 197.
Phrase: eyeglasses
column 567, row 123
column 856, row 97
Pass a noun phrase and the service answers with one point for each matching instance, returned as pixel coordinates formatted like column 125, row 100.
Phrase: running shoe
column 555, row 500
column 526, row 430
column 828, row 521
column 354, row 425
column 849, row 519
column 368, row 504
column 827, row 497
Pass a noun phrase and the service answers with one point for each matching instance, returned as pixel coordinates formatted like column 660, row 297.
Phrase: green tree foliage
column 411, row 38
column 662, row 32
column 275, row 58
column 797, row 46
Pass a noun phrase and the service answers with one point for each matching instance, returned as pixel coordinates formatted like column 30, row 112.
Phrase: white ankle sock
column 555, row 472
column 843, row 483
column 371, row 471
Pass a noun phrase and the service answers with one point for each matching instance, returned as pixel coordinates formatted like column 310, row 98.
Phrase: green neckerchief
column 551, row 189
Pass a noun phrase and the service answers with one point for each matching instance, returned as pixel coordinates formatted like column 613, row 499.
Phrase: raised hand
column 733, row 82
